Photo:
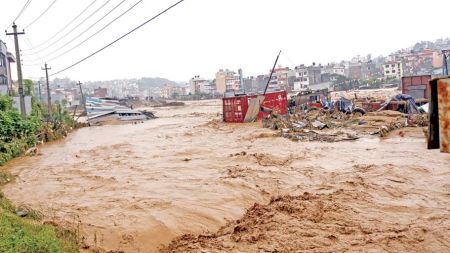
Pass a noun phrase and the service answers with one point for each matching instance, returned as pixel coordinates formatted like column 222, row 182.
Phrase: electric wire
column 94, row 34
column 118, row 39
column 67, row 25
column 25, row 6
column 86, row 30
column 287, row 58
column 42, row 14
column 30, row 45
column 82, row 22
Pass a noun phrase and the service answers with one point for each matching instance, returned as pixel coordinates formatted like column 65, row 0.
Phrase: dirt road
column 135, row 188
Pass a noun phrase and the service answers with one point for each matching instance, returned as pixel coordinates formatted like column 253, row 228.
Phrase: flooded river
column 135, row 188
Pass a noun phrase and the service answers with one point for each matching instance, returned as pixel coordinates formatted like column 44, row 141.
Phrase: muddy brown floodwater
column 135, row 188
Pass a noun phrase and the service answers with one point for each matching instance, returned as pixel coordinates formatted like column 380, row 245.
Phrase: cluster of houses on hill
column 425, row 58
column 422, row 59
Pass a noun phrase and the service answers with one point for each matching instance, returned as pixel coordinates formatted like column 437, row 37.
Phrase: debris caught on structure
column 333, row 126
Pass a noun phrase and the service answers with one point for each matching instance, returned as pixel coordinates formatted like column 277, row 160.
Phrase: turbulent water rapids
column 135, row 188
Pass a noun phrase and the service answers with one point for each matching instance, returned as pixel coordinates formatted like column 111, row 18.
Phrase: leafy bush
column 17, row 134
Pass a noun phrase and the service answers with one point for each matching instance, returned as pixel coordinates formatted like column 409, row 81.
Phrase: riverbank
column 18, row 135
column 138, row 187
column 22, row 228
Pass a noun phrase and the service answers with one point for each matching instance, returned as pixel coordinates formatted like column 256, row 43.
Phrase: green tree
column 29, row 87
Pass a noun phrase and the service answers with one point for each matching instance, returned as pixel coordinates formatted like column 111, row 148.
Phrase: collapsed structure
column 101, row 111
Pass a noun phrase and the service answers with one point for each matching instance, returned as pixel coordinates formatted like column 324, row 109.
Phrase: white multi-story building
column 233, row 83
column 5, row 69
column 338, row 70
column 393, row 69
column 334, row 69
column 200, row 85
column 207, row 88
column 301, row 78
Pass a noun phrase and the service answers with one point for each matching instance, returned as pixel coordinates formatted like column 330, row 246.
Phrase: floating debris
column 323, row 125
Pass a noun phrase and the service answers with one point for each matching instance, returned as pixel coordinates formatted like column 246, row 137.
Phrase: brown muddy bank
column 135, row 188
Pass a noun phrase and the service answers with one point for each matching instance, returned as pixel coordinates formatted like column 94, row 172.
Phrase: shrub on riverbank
column 18, row 134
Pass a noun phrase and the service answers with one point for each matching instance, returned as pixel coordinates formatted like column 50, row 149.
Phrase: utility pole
column 19, row 68
column 82, row 97
column 49, row 98
column 445, row 56
column 40, row 94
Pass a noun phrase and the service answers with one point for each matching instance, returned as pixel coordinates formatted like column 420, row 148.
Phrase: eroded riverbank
column 137, row 187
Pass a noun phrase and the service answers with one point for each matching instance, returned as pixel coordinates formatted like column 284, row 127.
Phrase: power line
column 42, row 14
column 80, row 34
column 82, row 22
column 28, row 42
column 25, row 6
column 289, row 59
column 68, row 24
column 23, row 10
column 94, row 34
column 121, row 37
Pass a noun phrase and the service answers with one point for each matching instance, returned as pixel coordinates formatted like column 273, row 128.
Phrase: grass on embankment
column 30, row 234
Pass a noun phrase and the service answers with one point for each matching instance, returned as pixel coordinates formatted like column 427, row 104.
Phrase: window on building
column 3, row 79
column 393, row 71
column 393, row 65
column 387, row 66
column 387, row 72
column 2, row 60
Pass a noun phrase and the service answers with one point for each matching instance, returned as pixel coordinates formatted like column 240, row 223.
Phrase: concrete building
column 220, row 81
column 261, row 82
column 273, row 84
column 280, row 79
column 249, row 84
column 173, row 91
column 227, row 81
column 200, row 85
column 168, row 91
column 334, row 69
column 419, row 63
column 437, row 60
column 338, row 70
column 302, row 79
column 393, row 69
column 315, row 74
column 207, row 88
column 306, row 76
column 363, row 70
column 368, row 70
column 5, row 69
column 233, row 83
column 354, row 71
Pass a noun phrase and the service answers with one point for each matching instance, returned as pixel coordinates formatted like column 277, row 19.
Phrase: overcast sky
column 198, row 37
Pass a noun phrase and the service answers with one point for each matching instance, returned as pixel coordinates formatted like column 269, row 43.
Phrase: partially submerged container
column 235, row 108
column 439, row 112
